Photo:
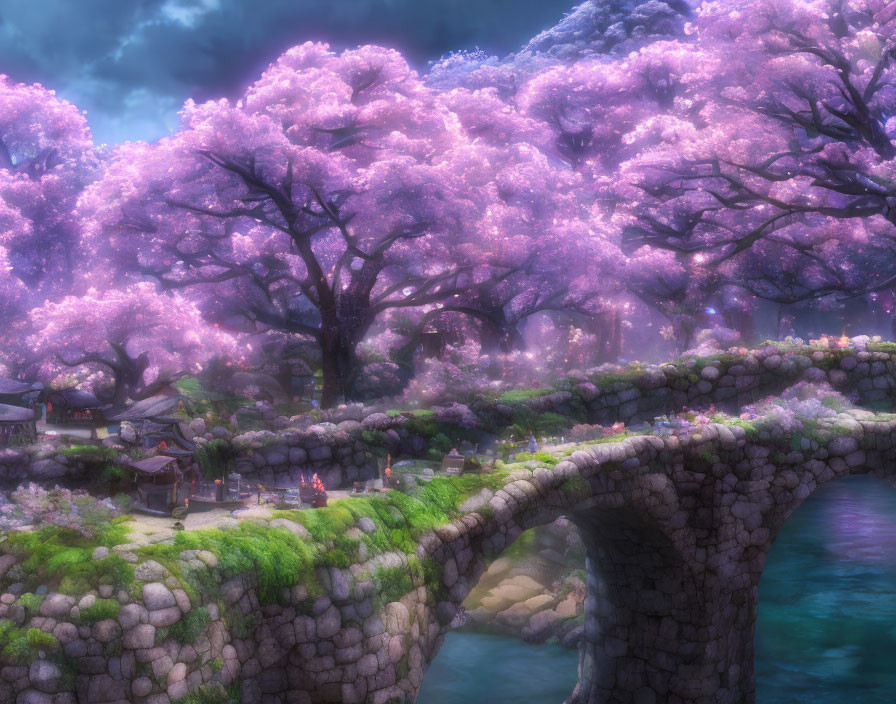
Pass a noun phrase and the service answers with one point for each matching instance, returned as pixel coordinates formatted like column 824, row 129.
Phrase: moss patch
column 100, row 610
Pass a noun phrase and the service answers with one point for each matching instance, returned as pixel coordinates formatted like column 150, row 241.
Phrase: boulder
column 157, row 596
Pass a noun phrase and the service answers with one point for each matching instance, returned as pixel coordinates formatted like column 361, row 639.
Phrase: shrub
column 215, row 457
column 393, row 583
column 73, row 510
column 191, row 626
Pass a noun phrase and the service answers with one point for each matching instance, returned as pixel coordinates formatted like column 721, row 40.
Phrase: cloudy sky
column 131, row 63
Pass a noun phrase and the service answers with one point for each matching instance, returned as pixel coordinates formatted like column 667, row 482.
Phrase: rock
column 100, row 553
column 177, row 673
column 515, row 590
column 141, row 686
column 86, row 602
column 44, row 676
column 127, row 433
column 477, row 501
column 542, row 625
column 841, row 446
column 367, row 525
column 710, row 373
column 47, row 469
column 157, row 596
column 571, row 640
column 130, row 615
column 32, row 696
column 140, row 637
column 291, row 526
column 499, row 568
column 106, row 631
column 150, row 571
column 57, row 606
column 328, row 623
column 568, row 607
column 160, row 618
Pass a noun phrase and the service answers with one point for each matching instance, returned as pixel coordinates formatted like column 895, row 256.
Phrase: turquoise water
column 826, row 628
column 825, row 633
column 483, row 668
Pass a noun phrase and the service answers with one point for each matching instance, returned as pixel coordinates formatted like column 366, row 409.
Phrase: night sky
column 131, row 63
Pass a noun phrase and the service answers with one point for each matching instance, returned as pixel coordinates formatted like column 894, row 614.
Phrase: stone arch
column 677, row 531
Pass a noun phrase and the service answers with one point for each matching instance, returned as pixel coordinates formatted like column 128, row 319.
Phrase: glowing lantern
column 843, row 341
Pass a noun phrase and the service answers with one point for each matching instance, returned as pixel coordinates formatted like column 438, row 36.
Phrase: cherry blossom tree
column 127, row 343
column 772, row 168
column 47, row 157
column 311, row 206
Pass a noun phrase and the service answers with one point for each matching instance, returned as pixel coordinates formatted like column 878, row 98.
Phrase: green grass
column 63, row 558
column 544, row 457
column 89, row 453
column 519, row 395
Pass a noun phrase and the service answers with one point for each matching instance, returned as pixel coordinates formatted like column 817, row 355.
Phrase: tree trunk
column 332, row 378
column 616, row 337
column 339, row 368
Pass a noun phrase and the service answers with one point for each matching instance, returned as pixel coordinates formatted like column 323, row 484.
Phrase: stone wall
column 728, row 381
column 676, row 530
column 43, row 464
column 340, row 455
column 337, row 453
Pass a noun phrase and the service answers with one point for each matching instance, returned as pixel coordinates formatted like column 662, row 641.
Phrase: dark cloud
column 132, row 63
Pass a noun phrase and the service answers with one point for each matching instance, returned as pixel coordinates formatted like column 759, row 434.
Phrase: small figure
column 533, row 444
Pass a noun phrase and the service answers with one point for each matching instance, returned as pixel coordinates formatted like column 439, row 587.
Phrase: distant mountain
column 607, row 26
column 591, row 29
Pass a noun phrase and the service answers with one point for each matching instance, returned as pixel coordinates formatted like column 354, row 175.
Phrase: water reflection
column 485, row 668
column 826, row 628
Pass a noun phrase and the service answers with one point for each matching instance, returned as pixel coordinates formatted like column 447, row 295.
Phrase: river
column 826, row 628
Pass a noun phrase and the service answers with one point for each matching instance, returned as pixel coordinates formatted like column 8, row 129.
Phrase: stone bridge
column 677, row 530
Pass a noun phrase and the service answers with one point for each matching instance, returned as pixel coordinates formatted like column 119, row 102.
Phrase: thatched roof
column 154, row 465
column 74, row 398
column 14, row 387
column 15, row 414
column 148, row 408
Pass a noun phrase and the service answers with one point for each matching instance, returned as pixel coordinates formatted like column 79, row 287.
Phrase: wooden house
column 19, row 393
column 156, row 421
column 158, row 479
column 16, row 421
column 75, row 407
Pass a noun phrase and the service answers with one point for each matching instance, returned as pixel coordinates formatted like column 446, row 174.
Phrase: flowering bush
column 456, row 414
column 441, row 382
column 718, row 336
column 378, row 380
column 73, row 510
column 586, row 433
column 801, row 404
